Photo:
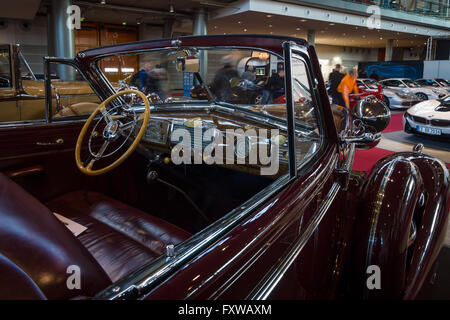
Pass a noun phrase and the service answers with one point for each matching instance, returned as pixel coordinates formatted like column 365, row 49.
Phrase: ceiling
column 20, row 9
column 133, row 12
column 325, row 33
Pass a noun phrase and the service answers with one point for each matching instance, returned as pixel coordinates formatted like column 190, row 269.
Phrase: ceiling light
column 298, row 29
column 269, row 16
column 331, row 24
column 303, row 20
column 124, row 23
column 270, row 26
column 171, row 10
column 103, row 2
column 138, row 21
column 215, row 27
column 239, row 22
column 245, row 30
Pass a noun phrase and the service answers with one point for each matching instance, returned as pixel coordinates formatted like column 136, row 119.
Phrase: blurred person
column 140, row 78
column 274, row 86
column 374, row 75
column 334, row 79
column 249, row 74
column 362, row 74
column 221, row 86
column 348, row 86
column 153, row 84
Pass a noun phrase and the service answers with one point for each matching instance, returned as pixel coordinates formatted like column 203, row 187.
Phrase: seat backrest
column 37, row 248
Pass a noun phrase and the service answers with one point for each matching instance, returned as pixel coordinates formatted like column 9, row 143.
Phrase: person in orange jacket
column 347, row 86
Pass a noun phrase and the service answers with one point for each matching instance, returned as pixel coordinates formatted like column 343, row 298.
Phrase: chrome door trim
column 272, row 279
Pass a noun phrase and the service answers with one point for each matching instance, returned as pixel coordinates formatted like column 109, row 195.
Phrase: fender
column 401, row 224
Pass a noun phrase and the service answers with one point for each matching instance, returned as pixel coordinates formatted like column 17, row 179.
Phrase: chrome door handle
column 58, row 142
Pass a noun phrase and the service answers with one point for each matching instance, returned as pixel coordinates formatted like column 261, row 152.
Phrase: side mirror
column 188, row 65
column 370, row 117
column 373, row 113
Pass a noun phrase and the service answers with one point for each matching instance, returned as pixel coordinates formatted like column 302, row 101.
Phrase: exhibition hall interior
column 224, row 150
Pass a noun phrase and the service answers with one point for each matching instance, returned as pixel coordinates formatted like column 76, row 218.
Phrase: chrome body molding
column 272, row 279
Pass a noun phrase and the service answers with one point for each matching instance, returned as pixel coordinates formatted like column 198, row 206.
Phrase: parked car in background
column 435, row 83
column 393, row 98
column 431, row 117
column 422, row 93
column 22, row 94
column 366, row 88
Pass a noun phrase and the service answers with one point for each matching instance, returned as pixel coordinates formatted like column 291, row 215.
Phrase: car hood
column 430, row 109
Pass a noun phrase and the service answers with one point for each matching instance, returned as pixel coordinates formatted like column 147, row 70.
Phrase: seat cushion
column 120, row 237
column 36, row 251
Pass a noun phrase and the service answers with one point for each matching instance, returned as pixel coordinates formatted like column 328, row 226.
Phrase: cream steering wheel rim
column 145, row 116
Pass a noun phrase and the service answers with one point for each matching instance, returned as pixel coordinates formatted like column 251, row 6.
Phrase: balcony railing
column 433, row 8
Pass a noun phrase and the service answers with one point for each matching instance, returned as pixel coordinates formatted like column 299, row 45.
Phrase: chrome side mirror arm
column 363, row 139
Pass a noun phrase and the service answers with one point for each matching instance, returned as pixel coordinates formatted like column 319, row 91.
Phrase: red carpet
column 365, row 159
column 396, row 123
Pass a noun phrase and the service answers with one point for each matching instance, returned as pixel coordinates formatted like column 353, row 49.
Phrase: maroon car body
column 312, row 234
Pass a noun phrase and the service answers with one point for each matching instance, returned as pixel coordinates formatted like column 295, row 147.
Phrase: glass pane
column 308, row 133
column 72, row 94
column 5, row 68
column 238, row 76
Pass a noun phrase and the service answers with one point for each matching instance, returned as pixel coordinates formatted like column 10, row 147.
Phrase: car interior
column 127, row 216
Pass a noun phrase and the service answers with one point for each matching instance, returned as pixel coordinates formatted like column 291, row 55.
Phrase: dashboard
column 241, row 142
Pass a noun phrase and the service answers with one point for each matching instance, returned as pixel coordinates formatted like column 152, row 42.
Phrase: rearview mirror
column 188, row 64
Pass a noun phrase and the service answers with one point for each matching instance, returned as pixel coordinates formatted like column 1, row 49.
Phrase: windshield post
column 289, row 108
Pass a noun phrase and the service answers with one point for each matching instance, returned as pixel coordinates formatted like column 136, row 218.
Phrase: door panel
column 27, row 146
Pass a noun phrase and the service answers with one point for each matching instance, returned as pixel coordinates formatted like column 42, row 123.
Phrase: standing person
column 140, row 78
column 334, row 79
column 375, row 75
column 274, row 86
column 221, row 86
column 347, row 86
column 249, row 74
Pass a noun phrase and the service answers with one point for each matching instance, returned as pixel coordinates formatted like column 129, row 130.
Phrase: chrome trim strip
column 266, row 288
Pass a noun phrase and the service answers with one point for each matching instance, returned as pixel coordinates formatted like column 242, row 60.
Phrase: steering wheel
column 113, row 130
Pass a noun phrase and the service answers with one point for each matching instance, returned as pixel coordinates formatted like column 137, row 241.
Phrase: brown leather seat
column 36, row 248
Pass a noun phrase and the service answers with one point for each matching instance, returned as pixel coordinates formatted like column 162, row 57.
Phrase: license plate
column 433, row 131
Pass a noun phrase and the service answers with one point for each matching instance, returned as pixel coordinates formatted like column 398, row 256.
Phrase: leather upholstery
column 33, row 239
column 36, row 248
column 15, row 283
column 121, row 238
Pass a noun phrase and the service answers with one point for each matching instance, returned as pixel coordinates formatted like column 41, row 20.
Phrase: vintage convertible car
column 178, row 198
column 22, row 92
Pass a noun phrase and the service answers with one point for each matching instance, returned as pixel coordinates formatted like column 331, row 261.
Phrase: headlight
column 402, row 95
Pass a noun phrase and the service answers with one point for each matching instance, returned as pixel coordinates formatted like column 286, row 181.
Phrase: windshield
column 237, row 76
column 410, row 83
column 371, row 84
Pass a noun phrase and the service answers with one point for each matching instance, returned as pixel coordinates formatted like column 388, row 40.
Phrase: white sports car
column 422, row 93
column 431, row 117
